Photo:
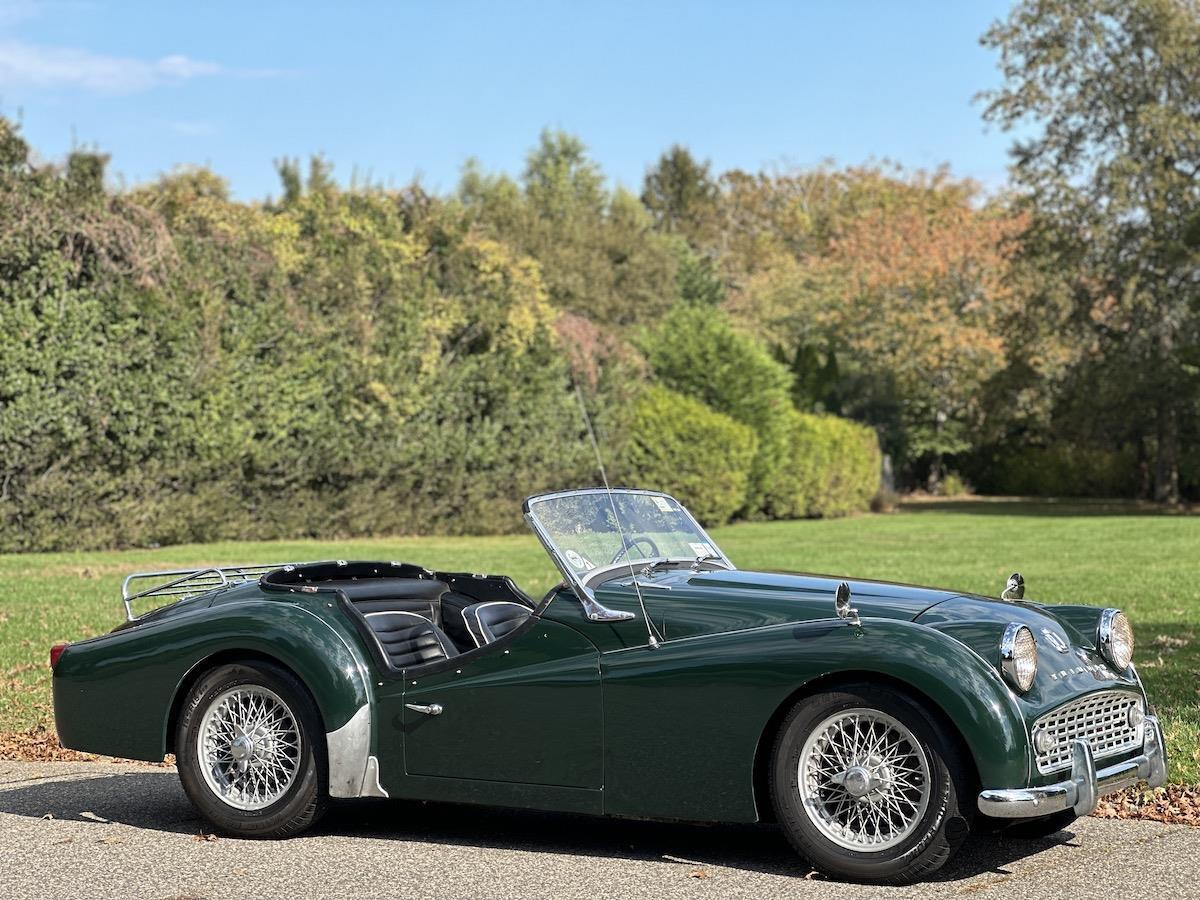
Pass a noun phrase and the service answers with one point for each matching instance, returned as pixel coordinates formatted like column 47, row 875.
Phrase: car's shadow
column 155, row 800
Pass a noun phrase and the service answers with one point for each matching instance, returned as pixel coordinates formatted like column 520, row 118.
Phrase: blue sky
column 401, row 89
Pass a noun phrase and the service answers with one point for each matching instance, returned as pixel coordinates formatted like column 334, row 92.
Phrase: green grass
column 1102, row 554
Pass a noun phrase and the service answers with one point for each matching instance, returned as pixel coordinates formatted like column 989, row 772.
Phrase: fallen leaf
column 698, row 873
column 206, row 838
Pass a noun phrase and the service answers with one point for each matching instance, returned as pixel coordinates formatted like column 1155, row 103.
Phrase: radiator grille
column 1101, row 719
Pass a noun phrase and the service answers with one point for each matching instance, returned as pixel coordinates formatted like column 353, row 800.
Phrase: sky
column 392, row 91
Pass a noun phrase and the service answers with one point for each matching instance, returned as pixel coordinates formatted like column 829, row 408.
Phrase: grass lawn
column 1101, row 554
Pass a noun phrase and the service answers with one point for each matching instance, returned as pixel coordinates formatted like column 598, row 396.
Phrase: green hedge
column 833, row 468
column 697, row 351
column 678, row 445
column 1060, row 470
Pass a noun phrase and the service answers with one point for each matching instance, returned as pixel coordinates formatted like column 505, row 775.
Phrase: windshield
column 590, row 531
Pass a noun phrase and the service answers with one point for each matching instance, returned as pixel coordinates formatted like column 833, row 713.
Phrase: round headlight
column 1115, row 639
column 1018, row 656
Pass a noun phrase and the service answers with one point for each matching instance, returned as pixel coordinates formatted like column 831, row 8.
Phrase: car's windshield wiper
column 652, row 567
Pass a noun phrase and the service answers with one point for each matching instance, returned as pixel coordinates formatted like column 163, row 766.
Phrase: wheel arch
column 830, row 682
column 221, row 658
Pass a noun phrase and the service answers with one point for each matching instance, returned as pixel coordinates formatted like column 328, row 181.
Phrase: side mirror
column 841, row 605
column 1015, row 589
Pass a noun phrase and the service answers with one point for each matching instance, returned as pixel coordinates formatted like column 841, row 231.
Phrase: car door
column 525, row 710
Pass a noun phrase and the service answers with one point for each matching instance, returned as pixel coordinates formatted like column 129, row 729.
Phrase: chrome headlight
column 1114, row 637
column 1018, row 656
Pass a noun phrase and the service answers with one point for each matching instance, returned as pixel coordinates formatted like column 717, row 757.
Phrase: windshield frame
column 584, row 586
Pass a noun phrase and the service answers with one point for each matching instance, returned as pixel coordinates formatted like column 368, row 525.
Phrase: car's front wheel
column 867, row 786
column 250, row 752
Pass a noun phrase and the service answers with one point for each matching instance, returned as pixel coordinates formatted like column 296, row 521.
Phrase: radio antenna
column 651, row 637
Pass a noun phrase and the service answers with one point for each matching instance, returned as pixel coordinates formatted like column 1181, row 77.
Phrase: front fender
column 683, row 722
column 114, row 694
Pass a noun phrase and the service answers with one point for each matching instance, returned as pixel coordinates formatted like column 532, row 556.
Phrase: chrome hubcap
column 248, row 747
column 863, row 779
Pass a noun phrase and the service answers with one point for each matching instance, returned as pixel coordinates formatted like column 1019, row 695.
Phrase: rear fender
column 114, row 694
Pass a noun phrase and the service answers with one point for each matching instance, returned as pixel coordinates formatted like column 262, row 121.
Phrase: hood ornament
column 1015, row 589
column 841, row 605
column 1055, row 640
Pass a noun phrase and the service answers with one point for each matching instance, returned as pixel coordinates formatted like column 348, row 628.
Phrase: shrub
column 678, row 445
column 953, row 485
column 697, row 352
column 1060, row 470
column 833, row 467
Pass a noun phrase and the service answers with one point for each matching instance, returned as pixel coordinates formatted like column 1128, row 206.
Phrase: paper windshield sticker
column 702, row 550
column 662, row 503
column 578, row 561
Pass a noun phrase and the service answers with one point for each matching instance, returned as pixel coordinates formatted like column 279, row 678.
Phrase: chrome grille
column 1101, row 719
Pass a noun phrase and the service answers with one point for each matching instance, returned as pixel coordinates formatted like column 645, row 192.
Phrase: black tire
column 305, row 800
column 937, row 832
column 1039, row 828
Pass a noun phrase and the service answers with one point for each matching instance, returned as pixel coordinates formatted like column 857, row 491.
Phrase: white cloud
column 35, row 65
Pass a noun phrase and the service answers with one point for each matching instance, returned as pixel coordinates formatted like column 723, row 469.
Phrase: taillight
column 56, row 652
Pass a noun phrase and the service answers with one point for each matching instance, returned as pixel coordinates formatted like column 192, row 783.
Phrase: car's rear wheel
column 250, row 751
column 867, row 786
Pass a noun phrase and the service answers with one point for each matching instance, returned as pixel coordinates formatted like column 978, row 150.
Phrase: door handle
column 433, row 709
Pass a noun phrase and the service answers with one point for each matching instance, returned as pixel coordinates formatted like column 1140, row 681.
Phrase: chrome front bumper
column 1086, row 785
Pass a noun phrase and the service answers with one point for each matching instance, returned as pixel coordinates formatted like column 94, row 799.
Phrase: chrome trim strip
column 349, row 749
column 1086, row 785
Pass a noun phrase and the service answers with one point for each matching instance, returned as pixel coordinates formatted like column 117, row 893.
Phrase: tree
column 682, row 196
column 1112, row 88
column 599, row 254
column 895, row 315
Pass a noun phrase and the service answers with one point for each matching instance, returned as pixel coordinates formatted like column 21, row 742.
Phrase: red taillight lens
column 56, row 652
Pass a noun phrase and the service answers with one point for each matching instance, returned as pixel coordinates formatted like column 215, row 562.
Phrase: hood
column 718, row 601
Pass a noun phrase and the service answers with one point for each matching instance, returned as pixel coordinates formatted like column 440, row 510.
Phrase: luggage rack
column 184, row 583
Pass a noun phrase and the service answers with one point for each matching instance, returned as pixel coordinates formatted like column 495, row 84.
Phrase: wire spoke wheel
column 864, row 780
column 249, row 747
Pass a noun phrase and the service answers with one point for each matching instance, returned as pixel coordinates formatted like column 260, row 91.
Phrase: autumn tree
column 1109, row 92
column 902, row 307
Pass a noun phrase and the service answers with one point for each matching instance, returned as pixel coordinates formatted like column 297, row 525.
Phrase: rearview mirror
column 1015, row 589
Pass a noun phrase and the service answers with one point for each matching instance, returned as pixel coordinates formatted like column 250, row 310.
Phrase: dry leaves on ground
column 1174, row 804
column 40, row 744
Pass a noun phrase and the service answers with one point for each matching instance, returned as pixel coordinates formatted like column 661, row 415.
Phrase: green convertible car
column 876, row 723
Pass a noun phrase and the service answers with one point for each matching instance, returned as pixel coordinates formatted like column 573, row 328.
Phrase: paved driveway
column 107, row 830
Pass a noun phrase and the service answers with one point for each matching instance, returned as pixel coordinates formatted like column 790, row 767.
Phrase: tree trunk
column 1166, row 454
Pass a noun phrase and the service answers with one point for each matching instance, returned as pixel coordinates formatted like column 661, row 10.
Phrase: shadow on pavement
column 155, row 800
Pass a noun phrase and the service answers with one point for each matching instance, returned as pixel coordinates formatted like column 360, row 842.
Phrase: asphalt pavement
column 100, row 830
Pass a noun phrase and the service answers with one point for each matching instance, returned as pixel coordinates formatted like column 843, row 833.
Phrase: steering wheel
column 632, row 542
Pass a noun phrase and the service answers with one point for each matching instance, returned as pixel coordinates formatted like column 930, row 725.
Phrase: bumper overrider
column 1086, row 784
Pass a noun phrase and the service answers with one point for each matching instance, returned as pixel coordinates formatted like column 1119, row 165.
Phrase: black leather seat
column 488, row 621
column 419, row 595
column 408, row 638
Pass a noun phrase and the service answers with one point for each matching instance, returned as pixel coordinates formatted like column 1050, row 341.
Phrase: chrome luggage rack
column 184, row 583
